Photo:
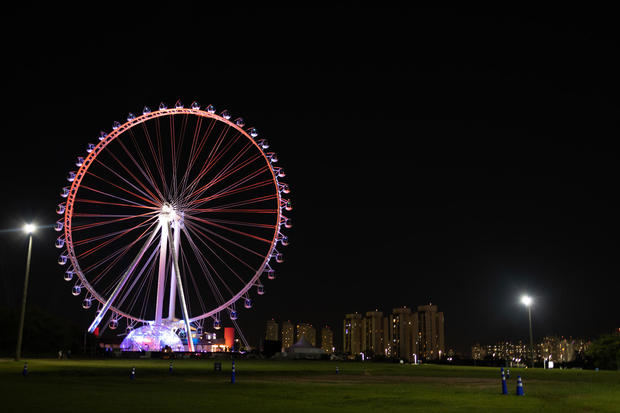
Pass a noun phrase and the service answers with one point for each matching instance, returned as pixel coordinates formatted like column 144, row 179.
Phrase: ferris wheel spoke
column 143, row 165
column 211, row 160
column 180, row 288
column 198, row 192
column 120, row 251
column 120, row 285
column 147, row 264
column 232, row 205
column 81, row 242
column 157, row 157
column 232, row 190
column 198, row 229
column 241, row 223
column 81, row 227
column 207, row 268
column 236, row 231
column 239, row 155
column 188, row 270
column 95, row 201
column 144, row 190
column 103, row 244
column 177, row 147
column 111, row 195
column 196, row 148
column 147, row 200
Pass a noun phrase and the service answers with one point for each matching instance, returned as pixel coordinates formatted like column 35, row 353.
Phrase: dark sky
column 453, row 156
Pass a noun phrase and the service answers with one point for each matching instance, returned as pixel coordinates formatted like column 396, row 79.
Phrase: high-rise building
column 327, row 340
column 402, row 333
column 352, row 334
column 431, row 334
column 271, row 330
column 288, row 335
column 372, row 333
column 308, row 331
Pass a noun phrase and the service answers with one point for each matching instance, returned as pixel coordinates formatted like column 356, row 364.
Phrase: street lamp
column 526, row 300
column 28, row 229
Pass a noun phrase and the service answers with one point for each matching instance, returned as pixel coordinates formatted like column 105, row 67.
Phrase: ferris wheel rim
column 111, row 137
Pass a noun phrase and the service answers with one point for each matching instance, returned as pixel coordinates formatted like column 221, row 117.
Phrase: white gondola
column 71, row 176
column 130, row 117
column 65, row 192
column 80, row 161
column 102, row 135
column 247, row 303
column 163, row 106
column 179, row 104
column 60, row 242
column 62, row 259
column 87, row 303
column 113, row 324
column 233, row 315
column 90, row 147
column 271, row 274
column 68, row 275
column 260, row 290
column 217, row 324
column 240, row 122
column 60, row 209
column 211, row 109
column 76, row 290
column 263, row 143
column 284, row 240
column 253, row 132
column 146, row 110
column 58, row 226
column 280, row 257
column 225, row 114
column 195, row 105
column 116, row 125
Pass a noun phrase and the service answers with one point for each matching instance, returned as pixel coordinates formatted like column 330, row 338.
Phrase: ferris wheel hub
column 170, row 214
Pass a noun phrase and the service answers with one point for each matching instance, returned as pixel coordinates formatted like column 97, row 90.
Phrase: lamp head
column 526, row 300
column 29, row 228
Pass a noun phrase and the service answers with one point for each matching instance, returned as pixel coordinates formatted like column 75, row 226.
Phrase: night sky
column 453, row 156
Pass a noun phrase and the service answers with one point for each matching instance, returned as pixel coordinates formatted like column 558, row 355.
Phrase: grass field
column 295, row 386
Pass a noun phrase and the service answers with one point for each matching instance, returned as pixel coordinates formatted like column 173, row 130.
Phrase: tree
column 605, row 352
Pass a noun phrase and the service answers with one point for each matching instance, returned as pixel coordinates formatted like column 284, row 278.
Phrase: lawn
column 295, row 386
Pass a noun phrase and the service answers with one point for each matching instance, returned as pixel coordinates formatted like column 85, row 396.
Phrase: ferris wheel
column 172, row 219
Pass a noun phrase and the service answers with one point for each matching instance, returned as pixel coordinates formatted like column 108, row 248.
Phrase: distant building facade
column 327, row 340
column 308, row 331
column 352, row 334
column 288, row 335
column 373, row 339
column 271, row 330
column 430, row 341
column 557, row 349
column 403, row 334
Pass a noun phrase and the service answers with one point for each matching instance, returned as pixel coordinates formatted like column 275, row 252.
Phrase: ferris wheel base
column 154, row 337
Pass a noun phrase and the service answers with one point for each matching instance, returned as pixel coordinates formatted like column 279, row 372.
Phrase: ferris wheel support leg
column 188, row 329
column 173, row 280
column 161, row 277
column 122, row 282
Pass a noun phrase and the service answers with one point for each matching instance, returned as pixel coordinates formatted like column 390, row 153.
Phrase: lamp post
column 527, row 301
column 28, row 229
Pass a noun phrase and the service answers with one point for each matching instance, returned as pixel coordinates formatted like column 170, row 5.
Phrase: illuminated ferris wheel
column 172, row 219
